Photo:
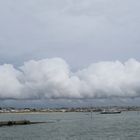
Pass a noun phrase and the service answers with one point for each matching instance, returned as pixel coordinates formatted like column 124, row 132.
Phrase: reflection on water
column 74, row 126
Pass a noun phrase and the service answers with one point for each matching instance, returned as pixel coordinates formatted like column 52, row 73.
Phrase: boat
column 110, row 111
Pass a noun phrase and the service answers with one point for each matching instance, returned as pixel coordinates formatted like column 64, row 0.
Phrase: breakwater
column 20, row 122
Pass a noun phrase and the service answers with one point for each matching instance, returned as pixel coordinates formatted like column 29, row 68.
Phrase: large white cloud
column 10, row 86
column 52, row 78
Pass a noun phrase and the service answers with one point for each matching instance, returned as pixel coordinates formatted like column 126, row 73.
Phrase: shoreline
column 57, row 112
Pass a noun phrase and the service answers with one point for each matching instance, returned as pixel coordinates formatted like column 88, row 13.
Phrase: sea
column 73, row 126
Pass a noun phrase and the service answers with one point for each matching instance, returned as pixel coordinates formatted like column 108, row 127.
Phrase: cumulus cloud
column 53, row 78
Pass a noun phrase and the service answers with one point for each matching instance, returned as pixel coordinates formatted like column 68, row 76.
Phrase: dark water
column 74, row 126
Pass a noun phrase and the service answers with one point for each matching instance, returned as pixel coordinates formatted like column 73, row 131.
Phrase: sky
column 69, row 49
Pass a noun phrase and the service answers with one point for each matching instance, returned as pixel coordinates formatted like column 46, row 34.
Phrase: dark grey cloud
column 80, row 31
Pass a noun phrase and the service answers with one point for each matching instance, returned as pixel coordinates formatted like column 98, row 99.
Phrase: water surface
column 74, row 126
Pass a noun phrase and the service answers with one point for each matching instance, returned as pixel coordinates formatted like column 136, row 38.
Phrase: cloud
column 52, row 78
column 10, row 86
column 99, row 29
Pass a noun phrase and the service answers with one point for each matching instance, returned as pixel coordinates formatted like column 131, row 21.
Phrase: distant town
column 78, row 109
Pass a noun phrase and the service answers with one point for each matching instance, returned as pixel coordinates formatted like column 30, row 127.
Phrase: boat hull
column 117, row 112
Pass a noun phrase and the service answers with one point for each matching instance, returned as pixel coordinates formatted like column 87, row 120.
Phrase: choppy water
column 74, row 126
